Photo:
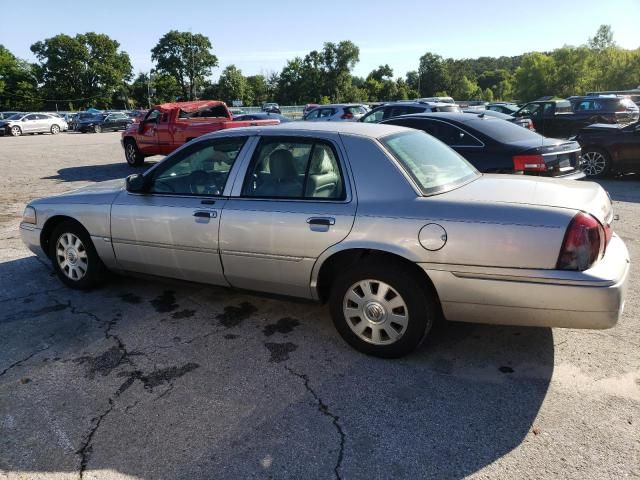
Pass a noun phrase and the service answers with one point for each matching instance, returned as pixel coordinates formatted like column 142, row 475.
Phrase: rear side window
column 294, row 168
column 449, row 134
column 433, row 166
column 326, row 112
column 563, row 107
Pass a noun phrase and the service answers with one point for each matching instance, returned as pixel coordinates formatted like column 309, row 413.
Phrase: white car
column 22, row 123
column 339, row 112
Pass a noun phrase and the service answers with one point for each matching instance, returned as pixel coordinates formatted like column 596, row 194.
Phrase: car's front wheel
column 132, row 154
column 97, row 129
column 382, row 308
column 596, row 163
column 74, row 257
column 16, row 131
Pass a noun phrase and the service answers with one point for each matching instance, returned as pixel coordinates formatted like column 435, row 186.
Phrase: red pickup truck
column 168, row 126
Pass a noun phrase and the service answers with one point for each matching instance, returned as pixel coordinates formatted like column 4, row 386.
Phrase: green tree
column 603, row 38
column 257, row 84
column 233, row 86
column 85, row 70
column 535, row 77
column 186, row 57
column 289, row 85
column 160, row 88
column 433, row 75
column 18, row 85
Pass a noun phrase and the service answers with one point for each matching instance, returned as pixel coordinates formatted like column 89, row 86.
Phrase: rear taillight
column 347, row 116
column 583, row 244
column 529, row 163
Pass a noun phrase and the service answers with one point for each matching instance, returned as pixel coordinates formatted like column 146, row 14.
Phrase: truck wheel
column 16, row 131
column 132, row 154
column 596, row 162
column 74, row 257
column 382, row 309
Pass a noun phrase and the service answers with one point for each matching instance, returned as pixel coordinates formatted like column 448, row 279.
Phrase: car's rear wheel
column 74, row 257
column 55, row 129
column 596, row 163
column 382, row 308
column 16, row 131
column 132, row 154
column 97, row 129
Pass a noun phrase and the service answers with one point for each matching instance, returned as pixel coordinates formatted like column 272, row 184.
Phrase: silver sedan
column 22, row 123
column 388, row 225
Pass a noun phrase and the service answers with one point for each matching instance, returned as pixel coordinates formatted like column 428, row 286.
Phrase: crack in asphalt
column 20, row 362
column 86, row 448
column 323, row 408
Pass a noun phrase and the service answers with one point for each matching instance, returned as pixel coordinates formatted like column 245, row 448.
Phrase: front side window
column 200, row 170
column 374, row 116
column 31, row 117
column 294, row 169
column 431, row 164
column 326, row 112
column 313, row 114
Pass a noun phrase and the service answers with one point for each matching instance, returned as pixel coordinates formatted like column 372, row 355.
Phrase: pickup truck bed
column 168, row 126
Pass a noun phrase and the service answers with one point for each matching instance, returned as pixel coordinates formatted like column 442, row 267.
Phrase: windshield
column 435, row 167
column 16, row 116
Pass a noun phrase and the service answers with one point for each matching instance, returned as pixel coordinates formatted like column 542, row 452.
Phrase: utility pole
column 149, row 89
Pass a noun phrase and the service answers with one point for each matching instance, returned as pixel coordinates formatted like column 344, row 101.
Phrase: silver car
column 340, row 112
column 22, row 123
column 388, row 225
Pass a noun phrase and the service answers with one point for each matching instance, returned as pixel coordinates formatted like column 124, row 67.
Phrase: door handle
column 205, row 214
column 325, row 221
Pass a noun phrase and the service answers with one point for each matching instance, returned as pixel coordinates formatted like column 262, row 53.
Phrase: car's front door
column 294, row 202
column 172, row 228
column 30, row 123
column 147, row 138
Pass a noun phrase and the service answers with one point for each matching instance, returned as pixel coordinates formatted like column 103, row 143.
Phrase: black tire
column 132, row 154
column 97, row 129
column 421, row 304
column 94, row 268
column 593, row 160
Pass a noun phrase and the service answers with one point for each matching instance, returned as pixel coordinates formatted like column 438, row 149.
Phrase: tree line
column 91, row 70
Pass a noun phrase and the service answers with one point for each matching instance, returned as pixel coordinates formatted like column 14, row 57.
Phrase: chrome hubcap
column 131, row 153
column 594, row 163
column 375, row 312
column 15, row 131
column 71, row 256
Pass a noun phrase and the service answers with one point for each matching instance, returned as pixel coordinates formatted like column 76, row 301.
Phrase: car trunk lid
column 552, row 158
column 570, row 194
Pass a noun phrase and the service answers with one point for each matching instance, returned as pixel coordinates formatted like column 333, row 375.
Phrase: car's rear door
column 172, row 228
column 293, row 201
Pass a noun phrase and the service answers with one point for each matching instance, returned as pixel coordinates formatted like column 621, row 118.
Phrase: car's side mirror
column 135, row 183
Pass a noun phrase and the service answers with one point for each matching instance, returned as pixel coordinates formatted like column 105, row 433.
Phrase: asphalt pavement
column 160, row 379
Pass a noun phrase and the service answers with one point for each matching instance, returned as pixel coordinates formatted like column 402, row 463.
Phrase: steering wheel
column 200, row 183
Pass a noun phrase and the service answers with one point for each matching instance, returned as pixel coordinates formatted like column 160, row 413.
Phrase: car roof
column 371, row 130
column 453, row 116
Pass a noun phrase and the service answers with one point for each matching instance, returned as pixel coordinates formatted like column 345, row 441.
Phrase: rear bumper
column 543, row 298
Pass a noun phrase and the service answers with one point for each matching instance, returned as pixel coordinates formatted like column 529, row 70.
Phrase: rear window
column 434, row 167
column 502, row 131
column 452, row 108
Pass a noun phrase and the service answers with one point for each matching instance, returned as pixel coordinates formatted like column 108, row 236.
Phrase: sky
column 259, row 36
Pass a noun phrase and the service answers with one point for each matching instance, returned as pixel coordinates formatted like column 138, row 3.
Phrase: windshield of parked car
column 502, row 131
column 434, row 167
